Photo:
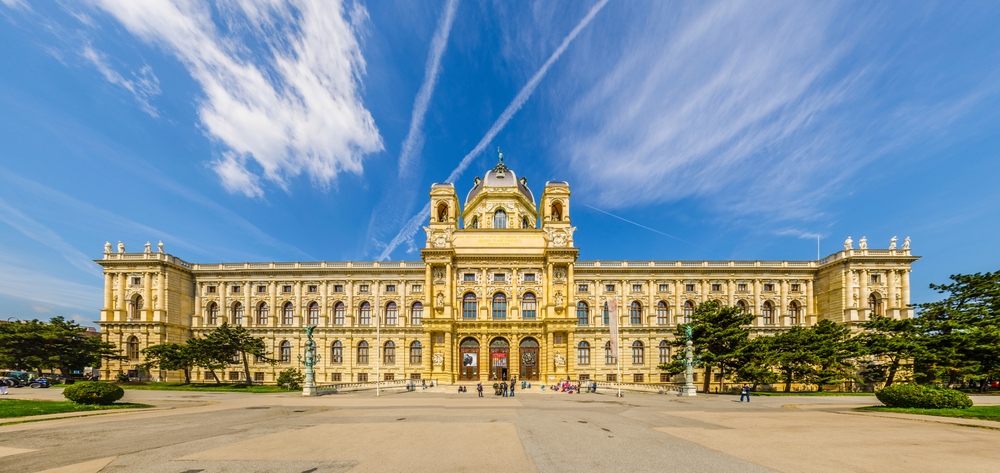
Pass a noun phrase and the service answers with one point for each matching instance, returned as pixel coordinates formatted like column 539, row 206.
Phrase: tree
column 291, row 378
column 893, row 344
column 834, row 353
column 170, row 357
column 718, row 333
column 791, row 354
column 236, row 342
column 23, row 346
column 755, row 362
column 69, row 349
column 207, row 356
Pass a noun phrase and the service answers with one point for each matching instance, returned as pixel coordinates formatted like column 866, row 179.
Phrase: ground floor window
column 362, row 377
column 209, row 376
column 258, row 376
column 415, row 376
column 388, row 377
column 612, row 378
column 335, row 377
column 584, row 377
column 637, row 378
column 664, row 377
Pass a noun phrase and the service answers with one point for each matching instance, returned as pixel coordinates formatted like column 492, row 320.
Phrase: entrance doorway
column 469, row 359
column 529, row 359
column 499, row 359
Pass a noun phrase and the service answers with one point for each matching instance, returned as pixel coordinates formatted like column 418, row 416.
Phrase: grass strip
column 32, row 407
column 227, row 388
column 804, row 393
column 974, row 412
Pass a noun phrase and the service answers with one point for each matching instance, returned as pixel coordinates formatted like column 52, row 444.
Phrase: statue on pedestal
column 121, row 247
column 906, row 243
column 311, row 358
column 147, row 249
column 689, row 361
column 848, row 244
column 892, row 243
column 863, row 243
column 560, row 359
column 159, row 247
column 107, row 247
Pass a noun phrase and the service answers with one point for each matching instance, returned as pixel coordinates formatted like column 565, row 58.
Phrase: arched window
column 638, row 357
column 557, row 211
column 389, row 353
column 767, row 313
column 583, row 353
column 793, row 313
column 662, row 313
column 474, row 223
column 499, row 306
column 262, row 313
column 442, row 212
column 135, row 308
column 529, row 306
column 605, row 314
column 609, row 356
column 688, row 311
column 288, row 314
column 337, row 353
column 314, row 313
column 874, row 304
column 418, row 313
column 285, row 351
column 339, row 313
column 391, row 314
column 365, row 314
column 213, row 313
column 742, row 306
column 469, row 306
column 500, row 219
column 635, row 313
column 238, row 314
column 362, row 352
column 582, row 313
column 416, row 353
column 664, row 352
column 132, row 347
column 525, row 223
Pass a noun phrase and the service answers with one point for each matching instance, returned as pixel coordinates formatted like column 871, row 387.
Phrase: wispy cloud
column 42, row 234
column 413, row 225
column 143, row 85
column 20, row 282
column 296, row 111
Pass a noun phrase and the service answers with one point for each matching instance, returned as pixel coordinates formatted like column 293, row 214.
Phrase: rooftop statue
column 848, row 244
column 863, row 243
column 107, row 247
column 906, row 243
column 121, row 247
column 892, row 243
column 147, row 249
column 159, row 246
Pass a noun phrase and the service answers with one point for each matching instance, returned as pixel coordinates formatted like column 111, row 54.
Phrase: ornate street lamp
column 311, row 358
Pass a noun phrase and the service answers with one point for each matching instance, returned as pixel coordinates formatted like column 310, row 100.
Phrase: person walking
column 503, row 387
column 745, row 392
column 512, row 385
column 479, row 389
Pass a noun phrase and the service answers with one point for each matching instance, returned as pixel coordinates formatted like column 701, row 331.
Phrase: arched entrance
column 529, row 359
column 469, row 359
column 499, row 359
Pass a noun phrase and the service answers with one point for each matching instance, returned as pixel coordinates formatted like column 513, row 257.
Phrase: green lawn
column 806, row 393
column 30, row 407
column 974, row 412
column 229, row 388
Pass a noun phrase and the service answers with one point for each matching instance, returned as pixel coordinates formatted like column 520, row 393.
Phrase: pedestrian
column 424, row 383
column 503, row 387
column 479, row 389
column 512, row 384
column 745, row 392
column 3, row 387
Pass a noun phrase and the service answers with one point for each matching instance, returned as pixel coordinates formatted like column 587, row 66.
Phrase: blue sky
column 312, row 130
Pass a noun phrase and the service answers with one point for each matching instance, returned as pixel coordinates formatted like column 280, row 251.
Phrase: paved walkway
column 441, row 431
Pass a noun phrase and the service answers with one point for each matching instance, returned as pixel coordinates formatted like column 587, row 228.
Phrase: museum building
column 499, row 293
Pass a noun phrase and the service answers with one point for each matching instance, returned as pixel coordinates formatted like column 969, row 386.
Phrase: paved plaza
column 439, row 430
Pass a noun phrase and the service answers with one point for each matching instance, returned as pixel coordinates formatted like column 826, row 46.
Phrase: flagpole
column 378, row 341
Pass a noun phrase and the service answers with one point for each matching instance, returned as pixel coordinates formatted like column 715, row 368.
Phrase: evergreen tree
column 892, row 343
column 237, row 343
column 171, row 357
column 718, row 333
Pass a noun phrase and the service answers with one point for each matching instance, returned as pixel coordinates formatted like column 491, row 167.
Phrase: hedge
column 95, row 392
column 923, row 397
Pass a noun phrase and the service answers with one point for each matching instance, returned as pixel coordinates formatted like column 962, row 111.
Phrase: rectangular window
column 557, row 339
column 286, row 289
column 499, row 277
column 637, row 378
column 584, row 377
column 663, row 288
column 258, row 376
column 236, row 289
column 716, row 287
column 418, row 288
column 439, row 338
column 388, row 376
column 313, row 288
column 529, row 277
column 362, row 377
column 664, row 377
column 612, row 378
column 876, row 278
column 209, row 376
column 234, row 375
column 212, row 289
column 390, row 288
column 261, row 288
column 415, row 376
column 741, row 287
column 695, row 377
column 609, row 288
column 335, row 377
column 581, row 288
column 689, row 287
column 469, row 277
column 338, row 288
column 769, row 288
column 795, row 288
column 637, row 288
column 136, row 281
column 363, row 288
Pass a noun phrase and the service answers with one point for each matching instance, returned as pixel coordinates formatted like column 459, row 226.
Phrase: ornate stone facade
column 499, row 292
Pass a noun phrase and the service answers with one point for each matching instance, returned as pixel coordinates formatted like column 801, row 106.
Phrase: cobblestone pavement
column 195, row 432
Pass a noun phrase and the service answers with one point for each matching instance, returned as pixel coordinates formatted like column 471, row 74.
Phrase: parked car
column 39, row 383
column 15, row 379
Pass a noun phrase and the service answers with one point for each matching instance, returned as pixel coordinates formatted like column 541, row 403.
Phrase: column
column 809, row 309
column 449, row 289
column 891, row 302
column 197, row 319
column 223, row 302
column 780, row 311
column 570, row 290
column 863, row 313
column 548, row 290
column 515, row 303
column 147, row 296
column 122, row 307
column 756, row 302
column 161, row 296
column 297, row 318
column 272, row 313
column 247, row 309
column 906, row 294
column 430, row 298
column 731, row 290
column 109, row 287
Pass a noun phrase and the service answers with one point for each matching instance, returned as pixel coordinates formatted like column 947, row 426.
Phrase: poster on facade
column 470, row 359
column 500, row 360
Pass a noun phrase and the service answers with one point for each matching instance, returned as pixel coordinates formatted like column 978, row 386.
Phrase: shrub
column 923, row 397
column 291, row 378
column 95, row 392
column 122, row 378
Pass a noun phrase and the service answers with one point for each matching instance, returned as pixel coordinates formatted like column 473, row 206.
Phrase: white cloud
column 42, row 234
column 143, row 85
column 19, row 282
column 17, row 4
column 296, row 111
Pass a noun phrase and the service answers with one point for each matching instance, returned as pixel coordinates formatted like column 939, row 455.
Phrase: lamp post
column 311, row 358
column 689, row 361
